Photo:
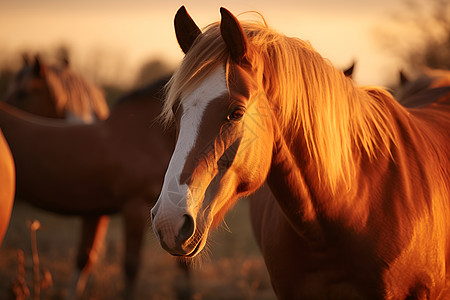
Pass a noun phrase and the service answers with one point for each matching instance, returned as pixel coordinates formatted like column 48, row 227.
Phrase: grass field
column 232, row 269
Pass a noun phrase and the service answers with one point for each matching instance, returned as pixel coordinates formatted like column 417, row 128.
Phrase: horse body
column 7, row 185
column 360, row 184
column 53, row 151
column 95, row 155
column 107, row 160
column 59, row 93
column 94, row 169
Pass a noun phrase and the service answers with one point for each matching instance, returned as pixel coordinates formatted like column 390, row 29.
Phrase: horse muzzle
column 175, row 227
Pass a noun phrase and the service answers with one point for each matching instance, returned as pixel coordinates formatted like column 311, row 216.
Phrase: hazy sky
column 116, row 36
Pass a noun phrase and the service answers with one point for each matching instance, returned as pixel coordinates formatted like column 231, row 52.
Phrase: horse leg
column 182, row 284
column 135, row 213
column 136, row 216
column 92, row 237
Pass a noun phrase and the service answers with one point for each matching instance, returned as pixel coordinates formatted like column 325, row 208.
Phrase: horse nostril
column 187, row 230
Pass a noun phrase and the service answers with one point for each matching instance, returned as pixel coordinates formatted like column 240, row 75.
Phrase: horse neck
column 136, row 118
column 291, row 189
column 135, row 110
column 300, row 184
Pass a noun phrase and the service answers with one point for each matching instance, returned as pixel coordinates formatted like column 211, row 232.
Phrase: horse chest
column 300, row 271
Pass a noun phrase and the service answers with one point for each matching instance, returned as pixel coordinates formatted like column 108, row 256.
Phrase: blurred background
column 127, row 43
column 121, row 45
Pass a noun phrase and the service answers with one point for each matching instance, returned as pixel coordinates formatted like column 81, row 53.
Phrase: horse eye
column 236, row 115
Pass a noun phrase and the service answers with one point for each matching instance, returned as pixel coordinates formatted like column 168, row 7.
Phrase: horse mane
column 73, row 94
column 308, row 93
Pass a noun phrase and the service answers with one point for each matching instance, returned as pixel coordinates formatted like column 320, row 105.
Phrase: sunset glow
column 111, row 40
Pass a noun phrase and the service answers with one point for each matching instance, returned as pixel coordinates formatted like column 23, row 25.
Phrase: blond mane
column 310, row 95
column 73, row 94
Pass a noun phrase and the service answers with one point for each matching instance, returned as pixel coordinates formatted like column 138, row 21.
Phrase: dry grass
column 233, row 269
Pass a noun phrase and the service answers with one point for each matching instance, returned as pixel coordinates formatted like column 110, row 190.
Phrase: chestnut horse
column 7, row 185
column 56, row 92
column 361, row 184
column 110, row 166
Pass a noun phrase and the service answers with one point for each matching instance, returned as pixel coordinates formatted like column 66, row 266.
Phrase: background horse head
column 7, row 185
column 361, row 184
column 430, row 86
column 56, row 92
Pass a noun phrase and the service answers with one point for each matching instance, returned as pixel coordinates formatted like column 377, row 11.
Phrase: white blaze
column 173, row 199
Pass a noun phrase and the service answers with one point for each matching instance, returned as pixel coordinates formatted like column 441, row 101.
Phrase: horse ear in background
column 25, row 59
column 65, row 62
column 38, row 68
column 349, row 71
column 186, row 30
column 403, row 78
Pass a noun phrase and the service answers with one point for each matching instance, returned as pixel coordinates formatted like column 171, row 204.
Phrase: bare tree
column 419, row 35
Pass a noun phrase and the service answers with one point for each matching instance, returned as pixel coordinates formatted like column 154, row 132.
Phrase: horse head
column 225, row 132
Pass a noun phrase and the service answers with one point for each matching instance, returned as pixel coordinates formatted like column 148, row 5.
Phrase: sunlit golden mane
column 310, row 95
column 72, row 93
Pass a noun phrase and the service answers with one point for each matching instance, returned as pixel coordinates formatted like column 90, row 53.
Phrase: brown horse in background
column 55, row 91
column 432, row 86
column 7, row 185
column 110, row 166
column 361, row 184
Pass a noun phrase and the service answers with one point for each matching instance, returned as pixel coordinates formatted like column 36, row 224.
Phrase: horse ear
column 233, row 34
column 25, row 59
column 38, row 68
column 185, row 29
column 65, row 62
column 403, row 78
column 349, row 72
